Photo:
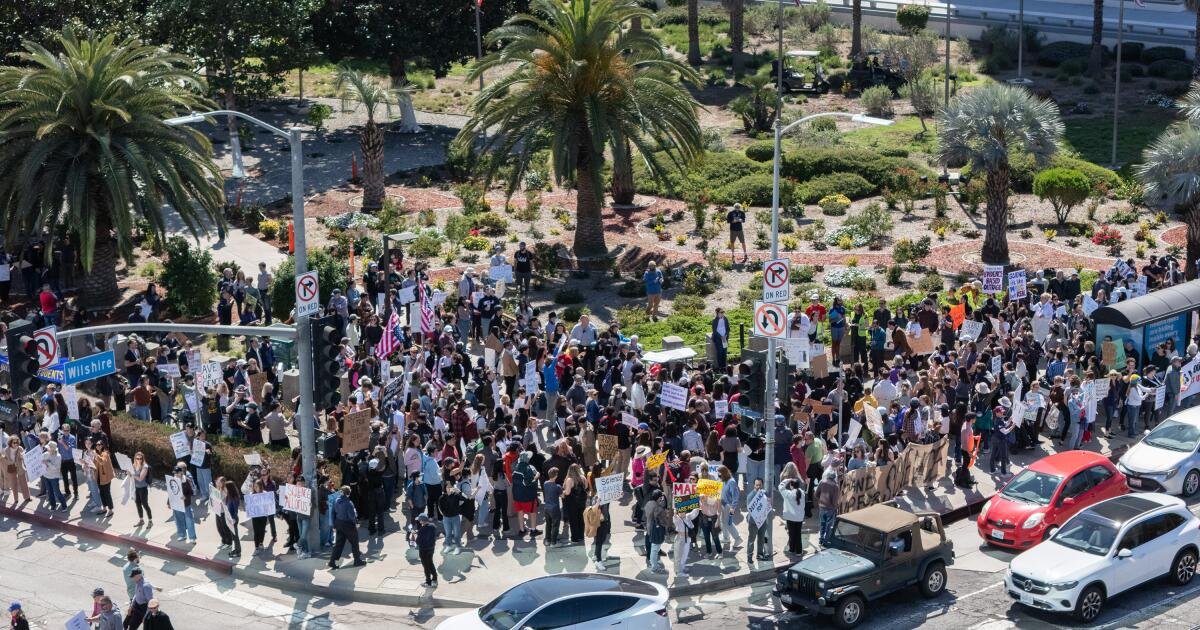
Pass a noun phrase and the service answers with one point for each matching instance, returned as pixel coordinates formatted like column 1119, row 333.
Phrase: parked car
column 575, row 601
column 874, row 551
column 1167, row 458
column 1104, row 550
column 1033, row 504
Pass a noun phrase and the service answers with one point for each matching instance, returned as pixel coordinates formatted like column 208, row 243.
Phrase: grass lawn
column 1092, row 137
column 320, row 79
column 904, row 134
column 675, row 36
column 692, row 328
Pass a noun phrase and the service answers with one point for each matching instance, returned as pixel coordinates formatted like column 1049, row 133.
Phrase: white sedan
column 571, row 601
column 1104, row 550
column 1168, row 458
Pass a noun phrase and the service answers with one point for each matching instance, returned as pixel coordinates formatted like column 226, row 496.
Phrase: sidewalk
column 393, row 574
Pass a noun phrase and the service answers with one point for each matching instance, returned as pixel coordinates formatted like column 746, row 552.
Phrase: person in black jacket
column 156, row 619
column 426, row 539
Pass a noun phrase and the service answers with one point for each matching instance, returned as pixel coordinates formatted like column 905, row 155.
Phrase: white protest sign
column 438, row 297
column 296, row 499
column 193, row 361
column 874, row 420
column 78, row 622
column 407, row 295
column 854, row 432
column 77, row 455
column 797, row 351
column 123, row 462
column 503, row 273
column 1016, row 285
column 35, row 464
column 193, row 404
column 720, row 408
column 197, row 452
column 970, row 330
column 674, row 396
column 609, row 489
column 629, row 420
column 71, row 396
column 993, row 278
column 489, row 358
column 1089, row 305
column 169, row 369
column 759, row 508
column 260, row 504
column 179, row 442
column 174, row 494
column 210, row 375
column 996, row 364
column 252, row 459
column 1041, row 328
column 126, row 489
column 1018, row 412
column 1160, row 397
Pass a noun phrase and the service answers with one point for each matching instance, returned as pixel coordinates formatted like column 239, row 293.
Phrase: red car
column 1031, row 506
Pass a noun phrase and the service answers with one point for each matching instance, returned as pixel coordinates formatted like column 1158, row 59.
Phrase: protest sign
column 71, row 397
column 260, row 504
column 819, row 364
column 78, row 622
column 180, row 444
column 917, row 465
column 854, row 432
column 609, row 488
column 921, row 344
column 797, row 351
column 606, row 446
column 874, row 420
column 720, row 408
column 489, row 358
column 708, row 487
column 958, row 314
column 407, row 295
column 1189, row 378
column 126, row 489
column 996, row 364
column 502, row 273
column 35, row 464
column 1160, row 397
column 970, row 330
column 252, row 459
column 685, row 503
column 193, row 361
column 656, row 460
column 123, row 462
column 1089, row 305
column 297, row 499
column 356, row 431
column 1108, row 356
column 759, row 508
column 76, row 454
column 169, row 369
column 678, row 489
column 257, row 380
column 210, row 375
column 1016, row 285
column 174, row 493
column 197, row 452
column 190, row 400
column 993, row 278
column 1041, row 328
column 629, row 420
column 674, row 396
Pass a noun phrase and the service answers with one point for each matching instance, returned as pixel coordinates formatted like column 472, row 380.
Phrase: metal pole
column 1020, row 38
column 1117, row 85
column 769, row 403
column 478, row 41
column 779, row 87
column 308, row 438
column 947, row 99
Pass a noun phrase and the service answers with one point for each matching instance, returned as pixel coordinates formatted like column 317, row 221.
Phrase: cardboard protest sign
column 674, row 396
column 356, row 431
column 609, row 488
column 181, row 445
column 260, row 504
column 917, row 465
column 708, row 487
column 921, row 344
column 656, row 460
column 606, row 446
column 1108, row 354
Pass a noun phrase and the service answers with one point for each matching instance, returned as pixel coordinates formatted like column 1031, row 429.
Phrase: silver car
column 1168, row 457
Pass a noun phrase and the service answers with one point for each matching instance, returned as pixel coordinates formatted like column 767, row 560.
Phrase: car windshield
column 1087, row 534
column 1032, row 487
column 506, row 611
column 1174, row 436
column 855, row 535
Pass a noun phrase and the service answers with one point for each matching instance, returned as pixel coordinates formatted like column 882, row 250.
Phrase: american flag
column 389, row 341
column 436, row 384
column 426, row 310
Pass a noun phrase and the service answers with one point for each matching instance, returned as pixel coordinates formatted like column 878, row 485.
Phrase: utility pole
column 1117, row 85
column 479, row 38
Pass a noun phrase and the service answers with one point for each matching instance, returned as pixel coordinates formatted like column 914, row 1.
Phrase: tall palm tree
column 84, row 151
column 355, row 87
column 1096, row 56
column 1170, row 172
column 982, row 127
column 856, row 28
column 737, row 13
column 579, row 85
column 693, row 28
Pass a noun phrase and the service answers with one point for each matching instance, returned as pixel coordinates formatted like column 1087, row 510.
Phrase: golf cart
column 796, row 81
column 867, row 71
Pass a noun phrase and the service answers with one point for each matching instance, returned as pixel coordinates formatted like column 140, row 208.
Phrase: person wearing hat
column 736, row 218
column 185, row 520
column 12, row 470
column 426, row 535
column 156, row 619
column 19, row 622
column 139, row 604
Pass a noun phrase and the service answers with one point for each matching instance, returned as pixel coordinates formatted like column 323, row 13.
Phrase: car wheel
column 1184, row 567
column 1191, row 483
column 849, row 611
column 1089, row 604
column 934, row 581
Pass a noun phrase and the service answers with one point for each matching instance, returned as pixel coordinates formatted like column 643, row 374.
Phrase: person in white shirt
column 884, row 392
column 584, row 332
column 1044, row 308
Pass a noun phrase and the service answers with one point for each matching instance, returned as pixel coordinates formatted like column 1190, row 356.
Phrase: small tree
column 457, row 228
column 1064, row 188
column 759, row 107
column 318, row 113
column 923, row 96
column 190, row 278
column 331, row 274
column 912, row 17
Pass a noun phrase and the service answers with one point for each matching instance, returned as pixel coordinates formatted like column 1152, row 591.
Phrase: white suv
column 1108, row 548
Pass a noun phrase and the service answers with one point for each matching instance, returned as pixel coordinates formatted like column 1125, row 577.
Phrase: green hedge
column 850, row 184
column 1131, row 51
column 1024, row 169
column 1156, row 53
column 761, row 151
column 877, row 169
column 754, row 190
column 1055, row 53
column 1172, row 69
column 711, row 16
column 714, row 170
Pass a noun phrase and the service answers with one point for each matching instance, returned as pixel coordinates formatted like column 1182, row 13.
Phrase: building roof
column 1151, row 307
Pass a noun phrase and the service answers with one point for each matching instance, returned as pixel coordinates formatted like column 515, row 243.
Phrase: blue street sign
column 739, row 410
column 90, row 367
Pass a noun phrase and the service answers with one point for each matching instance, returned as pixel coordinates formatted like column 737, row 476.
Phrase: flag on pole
column 389, row 341
column 426, row 310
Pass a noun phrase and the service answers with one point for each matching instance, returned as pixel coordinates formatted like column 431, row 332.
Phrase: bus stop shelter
column 1146, row 321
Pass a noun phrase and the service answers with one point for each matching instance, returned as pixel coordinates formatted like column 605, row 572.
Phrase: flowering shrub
column 855, row 236
column 834, row 205
column 848, row 276
column 1109, row 237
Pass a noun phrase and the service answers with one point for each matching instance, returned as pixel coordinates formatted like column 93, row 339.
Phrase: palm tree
column 856, row 28
column 1170, row 172
column 1096, row 57
column 982, row 127
column 83, row 150
column 693, row 28
column 737, row 12
column 579, row 85
column 354, row 86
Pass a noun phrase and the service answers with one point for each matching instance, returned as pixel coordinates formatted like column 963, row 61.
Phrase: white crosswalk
column 261, row 607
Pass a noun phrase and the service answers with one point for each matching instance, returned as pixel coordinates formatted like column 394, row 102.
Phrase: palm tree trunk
column 856, row 29
column 589, row 202
column 1096, row 58
column 737, row 34
column 995, row 240
column 397, row 71
column 1196, row 43
column 622, row 180
column 693, row 28
column 98, row 288
column 372, row 149
column 635, row 24
column 1192, row 218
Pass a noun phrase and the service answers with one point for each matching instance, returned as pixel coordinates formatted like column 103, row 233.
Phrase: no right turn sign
column 308, row 301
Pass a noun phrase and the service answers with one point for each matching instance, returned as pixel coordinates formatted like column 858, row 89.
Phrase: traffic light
column 753, row 380
column 785, row 381
column 327, row 362
column 22, row 359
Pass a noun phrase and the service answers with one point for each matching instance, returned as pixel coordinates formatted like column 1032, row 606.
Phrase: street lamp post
column 308, row 442
column 1117, row 84
column 769, row 403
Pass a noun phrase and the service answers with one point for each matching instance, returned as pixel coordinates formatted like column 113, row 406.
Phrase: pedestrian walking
column 425, row 538
column 345, row 525
column 829, row 494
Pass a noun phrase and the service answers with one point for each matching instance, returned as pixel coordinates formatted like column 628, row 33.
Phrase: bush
column 473, row 199
column 568, row 296
column 834, row 205
column 318, row 113
column 331, row 274
column 761, row 151
column 873, row 221
column 907, row 250
column 189, row 278
column 849, row 276
column 428, row 244
column 572, row 314
column 912, row 17
column 1074, row 65
column 490, row 223
column 475, row 243
column 1133, row 70
column 687, row 304
column 877, row 101
column 269, row 228
column 814, row 15
column 1065, row 188
column 893, row 274
column 848, row 184
column 868, row 164
column 711, row 16
column 754, row 190
column 1131, row 51
column 1024, row 168
column 802, row 273
column 1055, row 53
column 893, row 152
column 1170, row 69
column 931, row 282
column 1124, row 216
column 1159, row 53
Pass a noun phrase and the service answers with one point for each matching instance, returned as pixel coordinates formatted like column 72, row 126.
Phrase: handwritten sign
column 252, row 459
column 970, row 330
column 1041, row 328
column 297, row 499
column 257, row 380
column 169, row 369
column 1016, row 285
column 1160, row 397
column 656, row 460
column 35, row 464
column 759, row 508
column 709, row 487
column 180, row 444
column 260, row 504
column 609, row 488
column 921, row 344
column 71, row 397
column 629, row 420
column 685, row 503
column 78, row 622
column 197, row 452
column 606, row 446
column 993, row 278
column 356, row 431
column 503, row 273
column 683, row 488
column 720, row 408
column 674, row 396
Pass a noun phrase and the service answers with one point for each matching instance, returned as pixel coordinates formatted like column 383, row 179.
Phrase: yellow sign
column 654, row 461
column 708, row 487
